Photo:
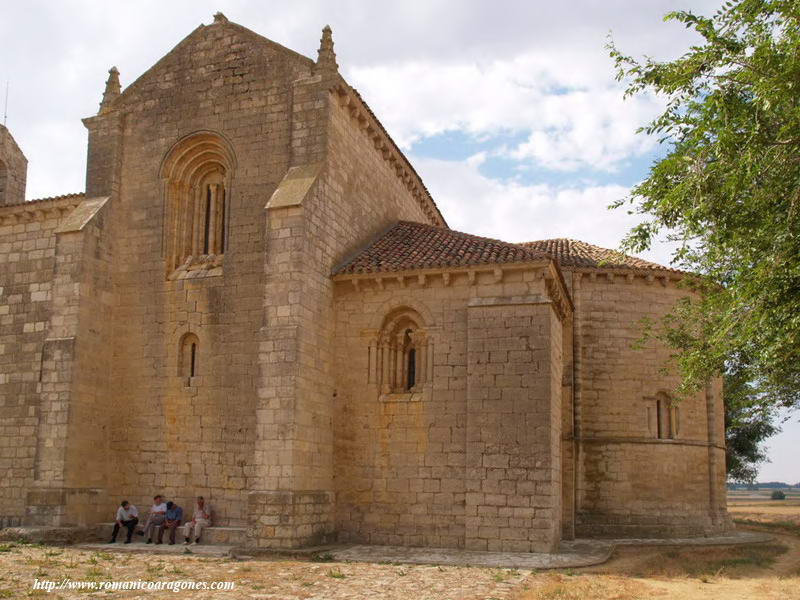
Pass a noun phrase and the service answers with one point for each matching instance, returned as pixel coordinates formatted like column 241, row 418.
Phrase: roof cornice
column 349, row 99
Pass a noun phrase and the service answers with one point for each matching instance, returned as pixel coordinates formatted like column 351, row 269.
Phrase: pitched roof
column 574, row 253
column 407, row 246
column 74, row 196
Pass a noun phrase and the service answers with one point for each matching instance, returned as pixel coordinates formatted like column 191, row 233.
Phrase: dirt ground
column 762, row 571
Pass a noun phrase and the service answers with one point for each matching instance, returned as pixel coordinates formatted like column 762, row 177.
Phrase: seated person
column 156, row 518
column 128, row 517
column 172, row 519
column 200, row 519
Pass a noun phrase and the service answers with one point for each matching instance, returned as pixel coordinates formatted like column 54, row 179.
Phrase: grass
column 104, row 555
column 94, row 573
column 336, row 573
column 786, row 526
column 735, row 561
column 556, row 587
column 322, row 557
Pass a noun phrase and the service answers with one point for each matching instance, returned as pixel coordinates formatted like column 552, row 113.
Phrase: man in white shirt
column 128, row 517
column 155, row 520
column 200, row 519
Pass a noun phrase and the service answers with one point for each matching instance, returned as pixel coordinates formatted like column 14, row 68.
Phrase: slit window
column 411, row 369
column 188, row 357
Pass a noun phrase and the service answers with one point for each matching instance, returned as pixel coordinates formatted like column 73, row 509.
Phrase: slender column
column 419, row 339
column 372, row 364
column 713, row 463
column 673, row 422
column 220, row 220
column 386, row 364
column 198, row 197
column 212, row 225
column 187, row 206
column 175, row 207
column 401, row 370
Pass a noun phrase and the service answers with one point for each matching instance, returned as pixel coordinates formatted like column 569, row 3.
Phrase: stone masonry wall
column 513, row 443
column 630, row 481
column 70, row 472
column 13, row 170
column 304, row 243
column 402, row 475
column 178, row 437
column 27, row 260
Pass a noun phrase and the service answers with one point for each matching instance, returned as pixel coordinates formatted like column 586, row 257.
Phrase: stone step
column 224, row 536
column 137, row 547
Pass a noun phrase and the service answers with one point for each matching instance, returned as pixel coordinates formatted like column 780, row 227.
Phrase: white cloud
column 424, row 65
column 516, row 212
column 567, row 127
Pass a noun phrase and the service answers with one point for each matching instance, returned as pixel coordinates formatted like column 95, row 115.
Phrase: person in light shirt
column 200, row 519
column 127, row 517
column 155, row 520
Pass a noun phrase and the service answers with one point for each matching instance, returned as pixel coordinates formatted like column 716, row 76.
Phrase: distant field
column 761, row 510
column 763, row 494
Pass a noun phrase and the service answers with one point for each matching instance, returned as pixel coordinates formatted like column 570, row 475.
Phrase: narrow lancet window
column 411, row 379
column 188, row 358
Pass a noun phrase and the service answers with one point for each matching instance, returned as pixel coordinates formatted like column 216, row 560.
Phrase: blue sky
column 508, row 109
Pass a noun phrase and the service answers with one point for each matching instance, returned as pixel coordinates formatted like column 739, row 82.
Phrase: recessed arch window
column 196, row 175
column 666, row 417
column 400, row 354
column 188, row 357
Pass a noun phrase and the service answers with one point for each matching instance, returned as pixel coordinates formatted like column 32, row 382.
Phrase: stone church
column 256, row 299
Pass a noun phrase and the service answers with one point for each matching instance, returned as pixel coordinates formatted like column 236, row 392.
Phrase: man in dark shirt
column 172, row 519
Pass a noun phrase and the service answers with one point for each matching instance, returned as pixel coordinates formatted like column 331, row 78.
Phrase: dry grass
column 673, row 573
column 560, row 587
column 703, row 563
column 694, row 573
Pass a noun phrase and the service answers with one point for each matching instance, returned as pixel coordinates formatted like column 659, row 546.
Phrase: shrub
column 778, row 495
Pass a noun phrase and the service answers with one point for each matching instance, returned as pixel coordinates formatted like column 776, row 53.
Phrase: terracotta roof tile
column 574, row 253
column 76, row 196
column 407, row 246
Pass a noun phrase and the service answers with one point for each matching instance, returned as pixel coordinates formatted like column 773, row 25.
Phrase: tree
column 748, row 422
column 728, row 189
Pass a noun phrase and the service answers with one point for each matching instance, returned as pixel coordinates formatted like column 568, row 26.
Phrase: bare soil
column 762, row 571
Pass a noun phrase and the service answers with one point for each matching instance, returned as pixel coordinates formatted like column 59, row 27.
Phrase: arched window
column 399, row 355
column 666, row 417
column 197, row 174
column 188, row 355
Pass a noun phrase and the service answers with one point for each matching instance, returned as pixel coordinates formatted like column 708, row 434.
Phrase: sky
column 509, row 110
